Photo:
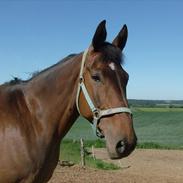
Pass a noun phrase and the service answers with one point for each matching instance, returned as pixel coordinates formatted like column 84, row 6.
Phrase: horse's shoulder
column 12, row 101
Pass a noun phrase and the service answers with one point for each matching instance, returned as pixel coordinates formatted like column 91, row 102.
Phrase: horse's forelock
column 110, row 53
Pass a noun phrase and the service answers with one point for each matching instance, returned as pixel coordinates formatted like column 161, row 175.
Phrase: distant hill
column 155, row 103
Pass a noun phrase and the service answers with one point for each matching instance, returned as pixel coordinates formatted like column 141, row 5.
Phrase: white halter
column 97, row 113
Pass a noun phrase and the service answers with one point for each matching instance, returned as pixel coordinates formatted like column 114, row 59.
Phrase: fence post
column 82, row 153
column 93, row 153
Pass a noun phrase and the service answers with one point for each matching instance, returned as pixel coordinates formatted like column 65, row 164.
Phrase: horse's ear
column 121, row 38
column 99, row 36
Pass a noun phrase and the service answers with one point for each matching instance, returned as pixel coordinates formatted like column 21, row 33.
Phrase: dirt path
column 143, row 166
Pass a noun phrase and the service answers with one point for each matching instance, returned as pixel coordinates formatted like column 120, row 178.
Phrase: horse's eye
column 96, row 78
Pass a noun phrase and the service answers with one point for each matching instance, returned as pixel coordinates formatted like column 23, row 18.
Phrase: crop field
column 162, row 126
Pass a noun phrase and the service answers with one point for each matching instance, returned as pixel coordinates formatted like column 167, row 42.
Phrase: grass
column 153, row 145
column 81, row 129
column 162, row 126
column 99, row 143
column 157, row 109
column 70, row 151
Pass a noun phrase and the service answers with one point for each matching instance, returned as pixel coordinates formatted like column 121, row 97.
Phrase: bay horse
column 36, row 114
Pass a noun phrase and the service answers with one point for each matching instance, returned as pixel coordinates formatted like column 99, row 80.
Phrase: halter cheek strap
column 97, row 113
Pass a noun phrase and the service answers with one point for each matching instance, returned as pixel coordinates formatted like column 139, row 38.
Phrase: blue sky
column 37, row 34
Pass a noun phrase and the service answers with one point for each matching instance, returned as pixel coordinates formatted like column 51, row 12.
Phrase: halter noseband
column 97, row 113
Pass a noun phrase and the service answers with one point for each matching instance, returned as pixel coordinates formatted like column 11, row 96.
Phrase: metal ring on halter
column 81, row 79
column 96, row 113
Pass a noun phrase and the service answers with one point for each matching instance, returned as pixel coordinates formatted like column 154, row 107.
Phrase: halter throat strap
column 97, row 113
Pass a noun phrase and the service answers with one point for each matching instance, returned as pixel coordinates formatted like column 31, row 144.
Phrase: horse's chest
column 26, row 164
column 46, row 170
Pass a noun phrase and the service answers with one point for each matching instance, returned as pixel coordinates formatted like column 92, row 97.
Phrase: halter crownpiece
column 97, row 113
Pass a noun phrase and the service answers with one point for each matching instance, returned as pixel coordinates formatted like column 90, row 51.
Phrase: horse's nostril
column 120, row 147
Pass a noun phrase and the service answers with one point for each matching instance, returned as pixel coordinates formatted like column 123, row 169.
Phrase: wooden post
column 93, row 153
column 120, row 163
column 82, row 153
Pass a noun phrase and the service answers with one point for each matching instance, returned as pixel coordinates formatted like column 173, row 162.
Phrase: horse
column 36, row 114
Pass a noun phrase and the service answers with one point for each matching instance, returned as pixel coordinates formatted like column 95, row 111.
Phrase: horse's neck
column 51, row 107
column 51, row 97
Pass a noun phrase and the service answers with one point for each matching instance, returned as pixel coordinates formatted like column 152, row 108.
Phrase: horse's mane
column 17, row 80
column 14, row 81
column 35, row 74
column 109, row 53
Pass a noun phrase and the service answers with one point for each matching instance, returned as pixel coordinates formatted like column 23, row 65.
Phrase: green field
column 162, row 126
column 70, row 151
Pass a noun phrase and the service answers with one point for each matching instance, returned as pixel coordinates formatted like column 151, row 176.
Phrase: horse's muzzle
column 121, row 149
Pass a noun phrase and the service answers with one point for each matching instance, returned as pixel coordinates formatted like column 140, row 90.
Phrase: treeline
column 156, row 103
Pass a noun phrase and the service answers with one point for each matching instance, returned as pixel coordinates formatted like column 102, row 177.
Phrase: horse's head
column 102, row 99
